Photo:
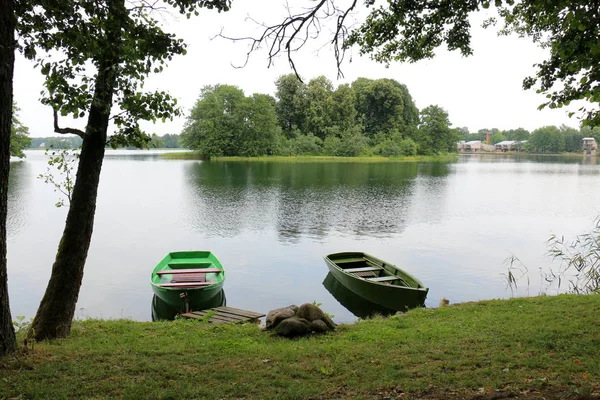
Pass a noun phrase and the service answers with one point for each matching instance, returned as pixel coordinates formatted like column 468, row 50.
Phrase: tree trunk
column 7, row 61
column 57, row 308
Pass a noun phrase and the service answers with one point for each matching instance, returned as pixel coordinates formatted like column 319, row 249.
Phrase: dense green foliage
column 167, row 141
column 526, row 348
column 19, row 135
column 224, row 122
column 434, row 132
column 411, row 31
column 368, row 117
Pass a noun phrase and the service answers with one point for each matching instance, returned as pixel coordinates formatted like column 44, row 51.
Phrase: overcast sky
column 481, row 91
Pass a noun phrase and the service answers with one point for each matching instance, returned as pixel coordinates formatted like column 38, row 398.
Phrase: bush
column 408, row 147
column 306, row 145
column 395, row 148
column 332, row 146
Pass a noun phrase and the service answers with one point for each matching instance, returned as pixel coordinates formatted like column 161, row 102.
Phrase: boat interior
column 371, row 270
column 186, row 274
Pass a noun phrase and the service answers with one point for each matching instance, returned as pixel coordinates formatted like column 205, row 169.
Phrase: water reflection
column 530, row 158
column 18, row 201
column 162, row 311
column 303, row 199
column 357, row 305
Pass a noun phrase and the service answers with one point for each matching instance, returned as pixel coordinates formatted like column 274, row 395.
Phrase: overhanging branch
column 65, row 131
column 296, row 29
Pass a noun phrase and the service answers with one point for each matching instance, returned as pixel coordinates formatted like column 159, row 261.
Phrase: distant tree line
column 367, row 117
column 56, row 142
column 169, row 141
column 19, row 135
column 547, row 139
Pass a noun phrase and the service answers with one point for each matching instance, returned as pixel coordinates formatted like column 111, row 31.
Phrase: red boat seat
column 185, row 284
column 188, row 271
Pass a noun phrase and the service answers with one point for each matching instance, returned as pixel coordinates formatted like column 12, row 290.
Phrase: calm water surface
column 450, row 224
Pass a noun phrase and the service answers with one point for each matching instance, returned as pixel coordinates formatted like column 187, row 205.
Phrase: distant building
column 519, row 145
column 506, row 145
column 460, row 146
column 590, row 147
column 473, row 146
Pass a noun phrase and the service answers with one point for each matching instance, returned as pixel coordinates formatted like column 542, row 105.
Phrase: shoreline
column 196, row 156
column 533, row 348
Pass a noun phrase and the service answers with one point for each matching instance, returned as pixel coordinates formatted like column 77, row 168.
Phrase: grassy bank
column 544, row 347
column 197, row 156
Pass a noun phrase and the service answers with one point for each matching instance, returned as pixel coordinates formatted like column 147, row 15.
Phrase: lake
column 452, row 225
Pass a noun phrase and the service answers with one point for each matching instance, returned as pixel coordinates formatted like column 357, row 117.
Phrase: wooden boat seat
column 185, row 284
column 384, row 278
column 188, row 271
column 362, row 269
column 193, row 277
column 349, row 260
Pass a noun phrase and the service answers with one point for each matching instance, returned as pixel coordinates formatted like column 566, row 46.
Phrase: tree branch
column 64, row 131
column 295, row 30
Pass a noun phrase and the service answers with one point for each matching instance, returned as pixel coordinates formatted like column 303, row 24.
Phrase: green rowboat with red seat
column 187, row 279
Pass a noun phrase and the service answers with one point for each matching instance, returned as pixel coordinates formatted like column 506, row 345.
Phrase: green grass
column 543, row 347
column 198, row 156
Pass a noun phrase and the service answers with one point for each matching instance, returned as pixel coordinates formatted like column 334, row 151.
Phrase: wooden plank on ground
column 246, row 313
column 224, row 314
column 220, row 314
column 215, row 317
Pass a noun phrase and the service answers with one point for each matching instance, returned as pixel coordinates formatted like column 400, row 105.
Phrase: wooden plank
column 349, row 260
column 225, row 314
column 200, row 262
column 250, row 314
column 218, row 318
column 234, row 316
column 189, row 278
column 185, row 284
column 362, row 269
column 215, row 317
column 221, row 315
column 383, row 278
column 188, row 271
column 241, row 313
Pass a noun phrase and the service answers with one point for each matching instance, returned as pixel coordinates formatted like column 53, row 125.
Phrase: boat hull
column 395, row 297
column 197, row 297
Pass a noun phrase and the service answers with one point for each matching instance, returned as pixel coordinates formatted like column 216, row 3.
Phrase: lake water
column 450, row 224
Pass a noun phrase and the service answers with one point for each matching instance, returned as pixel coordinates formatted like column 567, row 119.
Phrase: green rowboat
column 377, row 281
column 187, row 279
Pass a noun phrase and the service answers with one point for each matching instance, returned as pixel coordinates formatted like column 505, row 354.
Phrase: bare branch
column 296, row 30
column 63, row 131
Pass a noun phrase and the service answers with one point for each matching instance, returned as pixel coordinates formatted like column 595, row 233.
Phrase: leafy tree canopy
column 224, row 122
column 435, row 134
